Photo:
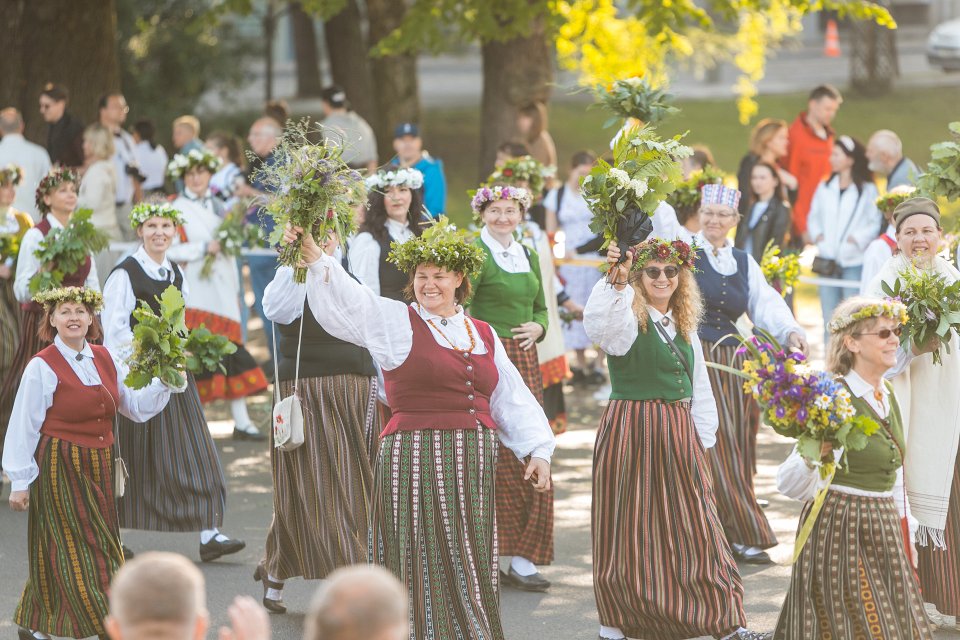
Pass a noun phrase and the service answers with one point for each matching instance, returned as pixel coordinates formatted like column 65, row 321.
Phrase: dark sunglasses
column 654, row 272
column 883, row 334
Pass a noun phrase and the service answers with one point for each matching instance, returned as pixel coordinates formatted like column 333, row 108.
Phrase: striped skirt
column 74, row 542
column 733, row 459
column 176, row 481
column 939, row 569
column 661, row 565
column 853, row 578
column 9, row 327
column 321, row 490
column 432, row 525
column 524, row 516
column 28, row 346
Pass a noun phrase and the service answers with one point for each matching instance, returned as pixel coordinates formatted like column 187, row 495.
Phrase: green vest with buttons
column 874, row 468
column 650, row 370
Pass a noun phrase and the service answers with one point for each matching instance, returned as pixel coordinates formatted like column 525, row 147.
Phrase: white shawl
column 929, row 397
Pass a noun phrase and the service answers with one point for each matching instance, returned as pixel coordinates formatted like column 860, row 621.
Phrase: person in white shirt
column 32, row 159
column 113, row 112
column 225, row 181
column 98, row 192
column 151, row 157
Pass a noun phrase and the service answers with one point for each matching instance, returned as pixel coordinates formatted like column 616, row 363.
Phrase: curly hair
column 375, row 222
column 686, row 303
column 839, row 358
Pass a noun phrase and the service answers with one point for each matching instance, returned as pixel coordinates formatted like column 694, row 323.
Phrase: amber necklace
column 466, row 325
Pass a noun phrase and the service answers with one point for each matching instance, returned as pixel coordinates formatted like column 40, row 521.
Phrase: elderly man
column 885, row 153
column 358, row 603
column 31, row 158
column 113, row 112
column 930, row 404
column 65, row 131
column 186, row 134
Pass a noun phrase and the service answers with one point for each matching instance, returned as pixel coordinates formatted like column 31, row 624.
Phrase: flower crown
column 56, row 177
column 523, row 169
column 81, row 295
column 890, row 200
column 677, row 252
column 887, row 308
column 181, row 164
column 687, row 195
column 408, row 177
column 146, row 210
column 11, row 173
column 440, row 244
column 492, row 194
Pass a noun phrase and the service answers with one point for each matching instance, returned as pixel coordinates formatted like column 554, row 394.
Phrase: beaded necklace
column 466, row 325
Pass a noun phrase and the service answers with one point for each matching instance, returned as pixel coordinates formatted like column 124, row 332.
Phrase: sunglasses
column 654, row 272
column 883, row 334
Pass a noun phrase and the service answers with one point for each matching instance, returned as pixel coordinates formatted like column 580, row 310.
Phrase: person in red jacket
column 808, row 159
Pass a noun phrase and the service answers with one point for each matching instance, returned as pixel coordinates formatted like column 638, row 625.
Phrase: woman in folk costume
column 654, row 516
column 213, row 297
column 854, row 577
column 176, row 482
column 455, row 395
column 13, row 225
column 321, row 490
column 927, row 396
column 59, row 456
column 508, row 294
column 56, row 199
column 394, row 214
column 732, row 284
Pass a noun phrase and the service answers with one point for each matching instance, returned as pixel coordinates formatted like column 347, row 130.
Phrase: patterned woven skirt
column 661, row 565
column 74, row 542
column 28, row 346
column 939, row 569
column 176, row 481
column 9, row 327
column 554, row 372
column 733, row 459
column 524, row 516
column 243, row 378
column 432, row 525
column 321, row 490
column 853, row 578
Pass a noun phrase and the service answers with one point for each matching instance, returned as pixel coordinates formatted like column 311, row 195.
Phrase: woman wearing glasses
column 654, row 512
column 733, row 284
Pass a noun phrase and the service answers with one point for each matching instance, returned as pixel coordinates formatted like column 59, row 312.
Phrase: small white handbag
column 287, row 412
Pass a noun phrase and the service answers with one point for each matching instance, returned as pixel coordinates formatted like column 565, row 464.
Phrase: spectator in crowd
column 768, row 212
column 345, row 127
column 151, row 157
column 113, row 113
column 843, row 221
column 808, row 156
column 279, row 110
column 410, row 153
column 769, row 142
column 224, row 182
column 358, row 603
column 64, row 131
column 884, row 247
column 532, row 125
column 32, row 159
column 186, row 134
column 98, row 192
column 885, row 153
column 509, row 150
column 700, row 160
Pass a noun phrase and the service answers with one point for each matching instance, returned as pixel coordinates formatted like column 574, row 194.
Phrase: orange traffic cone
column 831, row 47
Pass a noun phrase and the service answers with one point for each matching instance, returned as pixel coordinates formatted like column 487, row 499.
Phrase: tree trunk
column 515, row 72
column 305, row 51
column 73, row 43
column 347, row 52
column 395, row 77
column 873, row 60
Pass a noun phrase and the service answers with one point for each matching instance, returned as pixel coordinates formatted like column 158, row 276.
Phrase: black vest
column 725, row 298
column 320, row 353
column 146, row 288
column 392, row 280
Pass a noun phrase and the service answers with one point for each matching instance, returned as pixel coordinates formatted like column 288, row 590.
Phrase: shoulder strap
column 560, row 192
column 276, row 366
column 673, row 347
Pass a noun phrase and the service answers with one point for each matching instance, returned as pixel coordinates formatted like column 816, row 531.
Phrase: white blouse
column 765, row 307
column 35, row 396
column 28, row 264
column 609, row 321
column 353, row 312
column 512, row 259
column 666, row 225
column 119, row 302
column 364, row 253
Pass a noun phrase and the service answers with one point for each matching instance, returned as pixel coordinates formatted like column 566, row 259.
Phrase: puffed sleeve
column 27, row 264
column 119, row 302
column 351, row 311
column 666, row 225
column 34, row 398
column 609, row 320
column 283, row 299
column 703, row 405
column 798, row 480
column 768, row 310
column 140, row 404
column 522, row 425
column 364, row 257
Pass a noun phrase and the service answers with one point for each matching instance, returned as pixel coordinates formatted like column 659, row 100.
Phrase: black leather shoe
column 127, row 552
column 751, row 558
column 25, row 634
column 273, row 606
column 251, row 436
column 536, row 582
column 216, row 549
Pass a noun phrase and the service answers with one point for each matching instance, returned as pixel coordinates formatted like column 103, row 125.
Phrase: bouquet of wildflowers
column 233, row 234
column 9, row 246
column 312, row 188
column 634, row 98
column 933, row 308
column 782, row 271
column 62, row 251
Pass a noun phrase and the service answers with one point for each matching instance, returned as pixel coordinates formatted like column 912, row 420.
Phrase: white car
column 943, row 46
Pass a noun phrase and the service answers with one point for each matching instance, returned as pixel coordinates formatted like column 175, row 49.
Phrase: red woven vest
column 80, row 414
column 439, row 388
column 75, row 279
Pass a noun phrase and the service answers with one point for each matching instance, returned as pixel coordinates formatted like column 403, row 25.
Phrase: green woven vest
column 874, row 468
column 650, row 370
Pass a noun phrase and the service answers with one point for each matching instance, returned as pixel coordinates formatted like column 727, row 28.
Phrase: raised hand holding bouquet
column 312, row 188
column 782, row 271
column 933, row 309
column 63, row 251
